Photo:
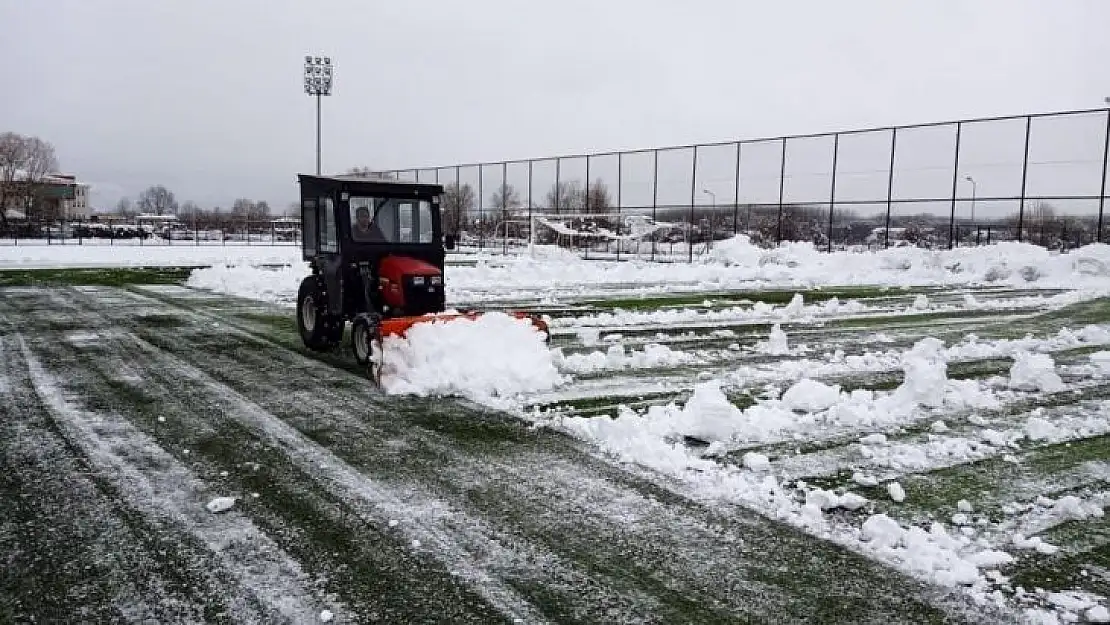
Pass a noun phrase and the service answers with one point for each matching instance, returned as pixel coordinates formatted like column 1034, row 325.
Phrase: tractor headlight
column 418, row 280
column 435, row 280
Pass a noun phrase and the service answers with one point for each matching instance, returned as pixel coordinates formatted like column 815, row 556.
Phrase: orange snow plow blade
column 398, row 326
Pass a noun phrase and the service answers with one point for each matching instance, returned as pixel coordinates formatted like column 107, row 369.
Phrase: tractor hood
column 410, row 284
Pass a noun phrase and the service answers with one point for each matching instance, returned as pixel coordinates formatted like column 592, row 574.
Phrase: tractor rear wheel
column 317, row 327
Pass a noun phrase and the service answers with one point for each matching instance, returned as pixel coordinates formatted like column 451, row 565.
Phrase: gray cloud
column 205, row 97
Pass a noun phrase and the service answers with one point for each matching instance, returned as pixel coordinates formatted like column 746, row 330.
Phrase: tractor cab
column 376, row 250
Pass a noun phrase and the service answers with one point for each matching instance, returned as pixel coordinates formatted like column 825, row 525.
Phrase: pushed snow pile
column 1035, row 372
column 493, row 356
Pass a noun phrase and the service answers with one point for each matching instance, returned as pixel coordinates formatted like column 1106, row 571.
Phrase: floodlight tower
column 317, row 82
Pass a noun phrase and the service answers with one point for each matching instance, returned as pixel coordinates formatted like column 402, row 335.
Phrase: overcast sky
column 205, row 96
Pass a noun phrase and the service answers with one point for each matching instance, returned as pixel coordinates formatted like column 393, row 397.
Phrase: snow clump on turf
column 617, row 357
column 1035, row 372
column 776, row 343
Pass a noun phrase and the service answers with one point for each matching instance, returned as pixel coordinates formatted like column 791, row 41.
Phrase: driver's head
column 363, row 217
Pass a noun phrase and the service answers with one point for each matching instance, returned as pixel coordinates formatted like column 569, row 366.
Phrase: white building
column 57, row 196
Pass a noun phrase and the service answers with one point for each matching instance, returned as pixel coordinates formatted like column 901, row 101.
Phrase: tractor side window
column 308, row 221
column 424, row 222
column 329, row 240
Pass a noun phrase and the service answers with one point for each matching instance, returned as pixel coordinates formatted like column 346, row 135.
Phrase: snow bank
column 1006, row 263
column 733, row 264
column 278, row 285
column 493, row 357
column 177, row 255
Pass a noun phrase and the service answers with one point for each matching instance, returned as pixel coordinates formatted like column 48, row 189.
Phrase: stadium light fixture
column 318, row 75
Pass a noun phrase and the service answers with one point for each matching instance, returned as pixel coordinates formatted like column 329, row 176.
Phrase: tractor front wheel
column 366, row 343
column 317, row 327
column 362, row 341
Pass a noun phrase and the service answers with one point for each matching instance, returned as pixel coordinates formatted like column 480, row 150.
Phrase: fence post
column 586, row 205
column 1024, row 176
column 620, row 181
column 955, row 182
column 736, row 196
column 505, row 207
column 558, row 191
column 782, row 187
column 832, row 190
column 481, row 210
column 890, row 185
column 458, row 203
column 1105, row 158
column 693, row 197
column 531, row 225
column 654, row 204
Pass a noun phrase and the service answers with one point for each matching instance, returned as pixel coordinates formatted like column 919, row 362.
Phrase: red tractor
column 376, row 249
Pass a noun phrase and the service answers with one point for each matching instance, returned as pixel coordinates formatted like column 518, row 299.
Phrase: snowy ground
column 705, row 443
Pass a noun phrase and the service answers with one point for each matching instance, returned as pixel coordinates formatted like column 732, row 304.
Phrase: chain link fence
column 1038, row 178
column 142, row 231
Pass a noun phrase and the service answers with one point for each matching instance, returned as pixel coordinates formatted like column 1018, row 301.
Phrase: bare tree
column 597, row 198
column 458, row 202
column 157, row 200
column 189, row 211
column 12, row 157
column 24, row 164
column 566, row 197
column 505, row 199
column 125, row 208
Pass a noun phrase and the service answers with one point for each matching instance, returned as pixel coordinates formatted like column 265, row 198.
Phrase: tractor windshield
column 390, row 220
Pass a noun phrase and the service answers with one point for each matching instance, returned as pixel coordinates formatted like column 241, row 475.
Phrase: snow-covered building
column 56, row 196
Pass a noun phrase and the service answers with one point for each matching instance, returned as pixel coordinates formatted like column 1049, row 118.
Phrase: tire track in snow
column 434, row 522
column 270, row 585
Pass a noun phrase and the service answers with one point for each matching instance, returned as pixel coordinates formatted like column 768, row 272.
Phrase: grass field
column 128, row 402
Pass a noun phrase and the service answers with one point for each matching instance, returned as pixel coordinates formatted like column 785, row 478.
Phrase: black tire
column 317, row 327
column 366, row 343
column 362, row 341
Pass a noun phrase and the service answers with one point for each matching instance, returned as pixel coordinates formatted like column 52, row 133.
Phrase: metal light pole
column 317, row 82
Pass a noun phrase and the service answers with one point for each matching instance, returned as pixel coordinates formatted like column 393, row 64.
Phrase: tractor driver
column 364, row 230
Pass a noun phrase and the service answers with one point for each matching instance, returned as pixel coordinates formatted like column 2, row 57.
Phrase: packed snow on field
column 734, row 263
column 183, row 255
column 491, row 359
